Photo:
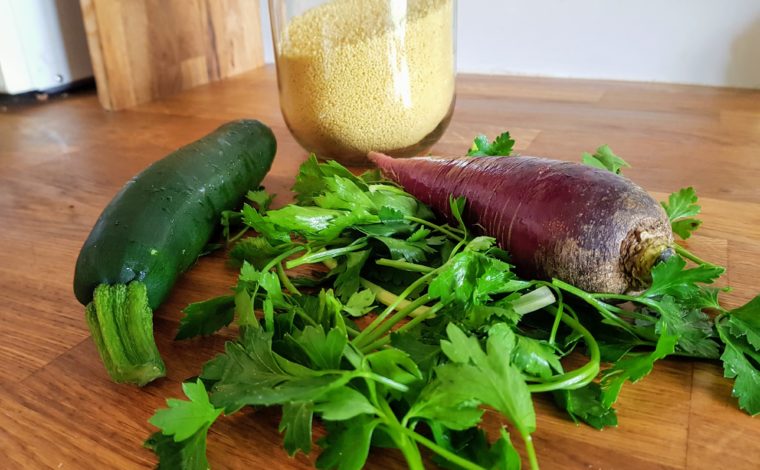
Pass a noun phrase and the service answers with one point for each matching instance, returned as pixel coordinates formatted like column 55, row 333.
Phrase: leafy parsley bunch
column 396, row 330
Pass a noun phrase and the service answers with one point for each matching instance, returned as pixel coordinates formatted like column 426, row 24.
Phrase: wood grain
column 60, row 163
column 146, row 49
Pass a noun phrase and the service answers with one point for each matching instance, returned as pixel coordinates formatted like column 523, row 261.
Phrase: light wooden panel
column 145, row 49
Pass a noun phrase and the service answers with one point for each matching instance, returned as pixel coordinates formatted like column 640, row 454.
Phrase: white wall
column 709, row 42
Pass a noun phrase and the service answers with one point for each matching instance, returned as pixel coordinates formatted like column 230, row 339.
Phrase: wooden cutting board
column 62, row 161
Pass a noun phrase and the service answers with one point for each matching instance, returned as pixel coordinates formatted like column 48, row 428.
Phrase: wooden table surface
column 62, row 161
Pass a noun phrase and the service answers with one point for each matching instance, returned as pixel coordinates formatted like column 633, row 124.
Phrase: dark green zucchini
column 153, row 230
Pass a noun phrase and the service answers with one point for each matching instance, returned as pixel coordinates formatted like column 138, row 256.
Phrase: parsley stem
column 557, row 319
column 371, row 387
column 411, row 288
column 690, row 256
column 652, row 304
column 237, row 236
column 386, row 297
column 410, row 451
column 405, row 445
column 533, row 300
column 446, row 231
column 625, row 298
column 404, row 265
column 560, row 309
column 531, row 451
column 445, row 453
column 352, row 332
column 285, row 280
column 581, row 376
column 382, row 380
column 456, row 248
column 408, row 326
column 383, row 328
column 272, row 263
column 628, row 298
column 610, row 317
column 304, row 316
column 319, row 256
column 279, row 258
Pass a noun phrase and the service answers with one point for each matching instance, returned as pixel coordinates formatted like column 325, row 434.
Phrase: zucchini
column 153, row 230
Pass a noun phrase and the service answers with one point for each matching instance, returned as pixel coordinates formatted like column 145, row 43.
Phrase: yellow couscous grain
column 361, row 75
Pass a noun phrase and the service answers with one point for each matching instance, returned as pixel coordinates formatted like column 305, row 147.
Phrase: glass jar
column 362, row 75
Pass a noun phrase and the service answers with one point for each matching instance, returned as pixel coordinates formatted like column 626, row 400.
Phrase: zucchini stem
column 121, row 323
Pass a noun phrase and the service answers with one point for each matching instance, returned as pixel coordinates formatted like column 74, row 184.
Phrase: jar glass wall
column 362, row 75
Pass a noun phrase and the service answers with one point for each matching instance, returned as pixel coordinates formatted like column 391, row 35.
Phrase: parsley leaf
column 438, row 404
column 205, row 318
column 693, row 328
column 745, row 321
column 737, row 365
column 262, row 225
column 584, row 404
column 681, row 207
column 423, row 354
column 184, row 418
column 500, row 147
column 257, row 250
column 471, row 278
column 739, row 359
column 535, row 357
column 323, row 350
column 394, row 364
column 348, row 281
column 250, row 373
column 346, row 446
column 457, row 205
column 189, row 454
column 486, row 376
column 604, row 158
column 633, row 367
column 344, row 193
column 389, row 214
column 310, row 181
column 670, row 278
column 261, row 199
column 314, row 222
column 414, row 251
column 296, row 423
column 343, row 403
column 360, row 304
column 184, row 426
column 684, row 227
column 740, row 332
column 473, row 445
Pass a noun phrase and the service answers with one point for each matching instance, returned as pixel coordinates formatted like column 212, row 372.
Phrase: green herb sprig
column 447, row 328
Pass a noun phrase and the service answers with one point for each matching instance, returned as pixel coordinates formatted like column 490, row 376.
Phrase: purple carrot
column 586, row 226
